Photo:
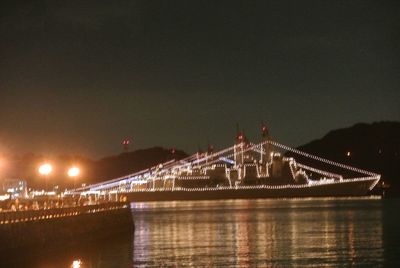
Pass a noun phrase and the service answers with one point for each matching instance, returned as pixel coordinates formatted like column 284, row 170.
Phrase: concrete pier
column 24, row 231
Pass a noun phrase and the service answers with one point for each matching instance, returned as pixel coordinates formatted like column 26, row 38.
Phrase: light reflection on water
column 247, row 233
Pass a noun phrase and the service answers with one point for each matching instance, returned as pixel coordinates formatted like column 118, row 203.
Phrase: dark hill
column 126, row 163
column 374, row 147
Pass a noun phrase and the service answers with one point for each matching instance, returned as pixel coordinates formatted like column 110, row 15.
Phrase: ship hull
column 345, row 188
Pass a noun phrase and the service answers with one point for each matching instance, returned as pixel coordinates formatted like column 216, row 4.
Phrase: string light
column 197, row 167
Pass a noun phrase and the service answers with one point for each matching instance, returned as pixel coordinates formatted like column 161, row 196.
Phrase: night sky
column 77, row 77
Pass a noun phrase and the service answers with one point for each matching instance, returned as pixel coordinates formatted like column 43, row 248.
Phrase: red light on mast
column 264, row 130
column 125, row 143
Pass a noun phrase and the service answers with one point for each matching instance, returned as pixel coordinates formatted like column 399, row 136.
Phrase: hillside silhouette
column 374, row 147
column 129, row 162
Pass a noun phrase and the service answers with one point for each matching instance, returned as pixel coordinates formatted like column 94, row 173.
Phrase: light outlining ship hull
column 245, row 170
column 343, row 189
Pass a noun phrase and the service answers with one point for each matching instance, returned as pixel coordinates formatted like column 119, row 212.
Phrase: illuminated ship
column 245, row 170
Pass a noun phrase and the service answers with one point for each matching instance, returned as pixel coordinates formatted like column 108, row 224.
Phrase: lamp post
column 45, row 170
column 73, row 172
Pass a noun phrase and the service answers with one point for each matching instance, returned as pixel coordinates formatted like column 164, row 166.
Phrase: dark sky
column 78, row 76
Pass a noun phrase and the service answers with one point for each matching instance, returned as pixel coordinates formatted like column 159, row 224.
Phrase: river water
column 251, row 233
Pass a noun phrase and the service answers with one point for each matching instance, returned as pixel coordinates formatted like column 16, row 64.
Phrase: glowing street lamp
column 45, row 170
column 73, row 173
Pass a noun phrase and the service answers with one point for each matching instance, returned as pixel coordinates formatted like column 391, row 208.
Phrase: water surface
column 251, row 233
column 246, row 233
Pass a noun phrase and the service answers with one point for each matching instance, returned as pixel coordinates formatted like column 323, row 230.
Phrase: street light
column 45, row 170
column 73, row 172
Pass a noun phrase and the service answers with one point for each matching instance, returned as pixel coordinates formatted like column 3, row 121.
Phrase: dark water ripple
column 248, row 233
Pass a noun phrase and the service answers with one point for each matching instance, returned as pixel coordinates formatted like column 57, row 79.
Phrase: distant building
column 16, row 188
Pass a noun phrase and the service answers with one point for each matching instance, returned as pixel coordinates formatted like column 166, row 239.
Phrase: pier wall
column 26, row 230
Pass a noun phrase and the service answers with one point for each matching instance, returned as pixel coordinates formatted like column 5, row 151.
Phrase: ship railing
column 322, row 172
column 11, row 217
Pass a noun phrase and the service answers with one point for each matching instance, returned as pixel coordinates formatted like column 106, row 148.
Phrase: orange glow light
column 73, row 172
column 45, row 169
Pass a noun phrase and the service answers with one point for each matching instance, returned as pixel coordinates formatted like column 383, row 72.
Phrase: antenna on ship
column 264, row 129
column 210, row 148
column 244, row 138
column 237, row 133
column 267, row 148
column 238, row 147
